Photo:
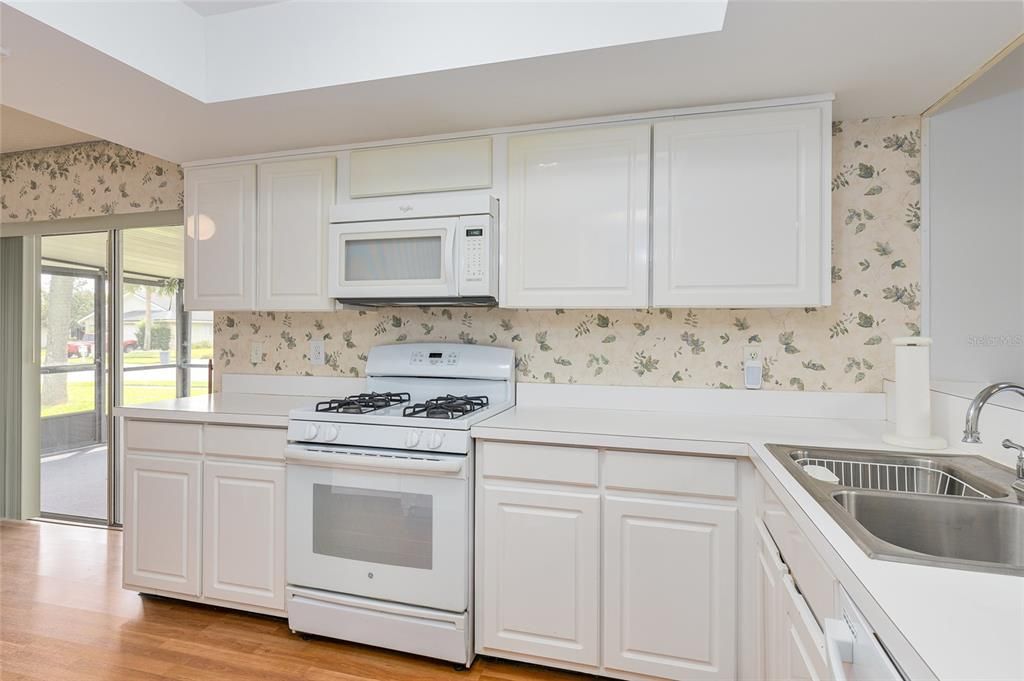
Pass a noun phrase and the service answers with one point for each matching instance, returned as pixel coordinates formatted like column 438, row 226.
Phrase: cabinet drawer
column 159, row 436
column 256, row 443
column 671, row 473
column 543, row 463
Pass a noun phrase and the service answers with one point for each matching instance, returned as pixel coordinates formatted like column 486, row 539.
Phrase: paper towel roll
column 912, row 397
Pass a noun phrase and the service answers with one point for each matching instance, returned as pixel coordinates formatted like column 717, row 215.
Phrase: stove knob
column 330, row 433
column 311, row 432
column 436, row 440
column 413, row 438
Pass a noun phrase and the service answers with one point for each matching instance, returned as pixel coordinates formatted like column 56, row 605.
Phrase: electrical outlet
column 751, row 353
column 316, row 352
column 753, row 367
column 256, row 352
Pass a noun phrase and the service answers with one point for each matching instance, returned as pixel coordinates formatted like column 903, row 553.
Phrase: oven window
column 393, row 259
column 373, row 526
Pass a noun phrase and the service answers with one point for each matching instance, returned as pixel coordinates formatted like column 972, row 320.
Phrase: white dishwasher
column 854, row 652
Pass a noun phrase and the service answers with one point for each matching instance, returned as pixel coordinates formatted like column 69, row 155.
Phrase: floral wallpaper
column 85, row 180
column 875, row 297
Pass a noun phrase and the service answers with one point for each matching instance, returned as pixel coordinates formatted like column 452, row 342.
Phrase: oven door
column 393, row 259
column 396, row 529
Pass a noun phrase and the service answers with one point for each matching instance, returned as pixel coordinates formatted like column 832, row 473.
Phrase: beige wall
column 875, row 294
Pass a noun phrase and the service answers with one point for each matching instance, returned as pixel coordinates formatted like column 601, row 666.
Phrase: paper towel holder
column 912, row 396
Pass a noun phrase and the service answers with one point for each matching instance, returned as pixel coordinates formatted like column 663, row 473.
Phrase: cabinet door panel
column 243, row 533
column 578, row 218
column 768, row 607
column 670, row 589
column 738, row 210
column 540, row 581
column 803, row 654
column 295, row 198
column 161, row 529
column 220, row 238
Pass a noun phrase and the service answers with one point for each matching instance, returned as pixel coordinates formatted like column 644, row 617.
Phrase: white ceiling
column 880, row 58
column 150, row 251
column 20, row 131
column 209, row 8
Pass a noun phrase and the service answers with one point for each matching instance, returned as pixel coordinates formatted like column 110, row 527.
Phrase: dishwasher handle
column 838, row 647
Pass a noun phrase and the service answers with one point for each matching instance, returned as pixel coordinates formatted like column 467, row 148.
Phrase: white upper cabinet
column 417, row 168
column 577, row 218
column 741, row 209
column 220, row 237
column 295, row 198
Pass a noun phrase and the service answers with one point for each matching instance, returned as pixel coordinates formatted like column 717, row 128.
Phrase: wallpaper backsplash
column 85, row 180
column 875, row 297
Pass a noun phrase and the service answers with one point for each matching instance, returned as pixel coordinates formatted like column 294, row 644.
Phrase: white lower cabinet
column 802, row 649
column 161, row 538
column 794, row 592
column 540, row 574
column 768, row 607
column 611, row 562
column 243, row 533
column 670, row 588
column 204, row 518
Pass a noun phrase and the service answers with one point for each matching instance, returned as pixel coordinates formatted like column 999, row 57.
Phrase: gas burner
column 446, row 407
column 363, row 403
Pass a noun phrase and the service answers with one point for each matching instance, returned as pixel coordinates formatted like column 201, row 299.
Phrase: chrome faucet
column 1010, row 444
column 971, row 433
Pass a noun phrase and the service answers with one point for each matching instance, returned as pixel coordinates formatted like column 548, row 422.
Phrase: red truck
column 84, row 347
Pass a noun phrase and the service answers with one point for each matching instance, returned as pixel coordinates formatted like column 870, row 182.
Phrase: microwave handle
column 342, row 459
column 456, row 259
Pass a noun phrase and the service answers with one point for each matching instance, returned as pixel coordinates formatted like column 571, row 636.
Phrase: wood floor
column 64, row 616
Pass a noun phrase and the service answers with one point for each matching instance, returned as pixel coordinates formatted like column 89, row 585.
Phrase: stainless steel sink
column 959, row 529
column 951, row 511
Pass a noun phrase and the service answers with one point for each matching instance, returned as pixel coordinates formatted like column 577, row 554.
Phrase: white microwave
column 426, row 251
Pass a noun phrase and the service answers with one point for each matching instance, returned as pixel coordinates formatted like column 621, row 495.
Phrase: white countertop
column 238, row 408
column 960, row 624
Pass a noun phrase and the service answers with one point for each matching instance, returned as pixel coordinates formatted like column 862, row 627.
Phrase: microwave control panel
column 475, row 256
column 474, row 253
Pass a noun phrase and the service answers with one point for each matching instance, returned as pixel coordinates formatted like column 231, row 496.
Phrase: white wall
column 167, row 40
column 302, row 45
column 975, row 205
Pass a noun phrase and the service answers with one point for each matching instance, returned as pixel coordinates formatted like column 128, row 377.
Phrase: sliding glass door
column 74, row 426
column 99, row 291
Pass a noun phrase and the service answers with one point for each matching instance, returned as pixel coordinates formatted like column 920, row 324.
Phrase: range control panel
column 434, row 358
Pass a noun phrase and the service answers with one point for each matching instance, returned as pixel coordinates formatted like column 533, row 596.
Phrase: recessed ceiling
column 208, row 8
column 20, row 131
column 879, row 58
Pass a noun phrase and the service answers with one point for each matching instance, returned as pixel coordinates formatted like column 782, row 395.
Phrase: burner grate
column 363, row 403
column 446, row 407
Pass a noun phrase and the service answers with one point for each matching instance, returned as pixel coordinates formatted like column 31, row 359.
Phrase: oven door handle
column 371, row 462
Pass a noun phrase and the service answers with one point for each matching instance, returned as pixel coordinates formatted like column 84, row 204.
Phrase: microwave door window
column 394, row 259
column 374, row 526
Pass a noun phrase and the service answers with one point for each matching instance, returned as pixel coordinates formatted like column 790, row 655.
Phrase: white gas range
column 380, row 499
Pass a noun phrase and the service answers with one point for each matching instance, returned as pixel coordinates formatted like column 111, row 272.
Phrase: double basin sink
column 951, row 511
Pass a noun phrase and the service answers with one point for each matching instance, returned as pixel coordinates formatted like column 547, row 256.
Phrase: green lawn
column 81, row 395
column 141, row 357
